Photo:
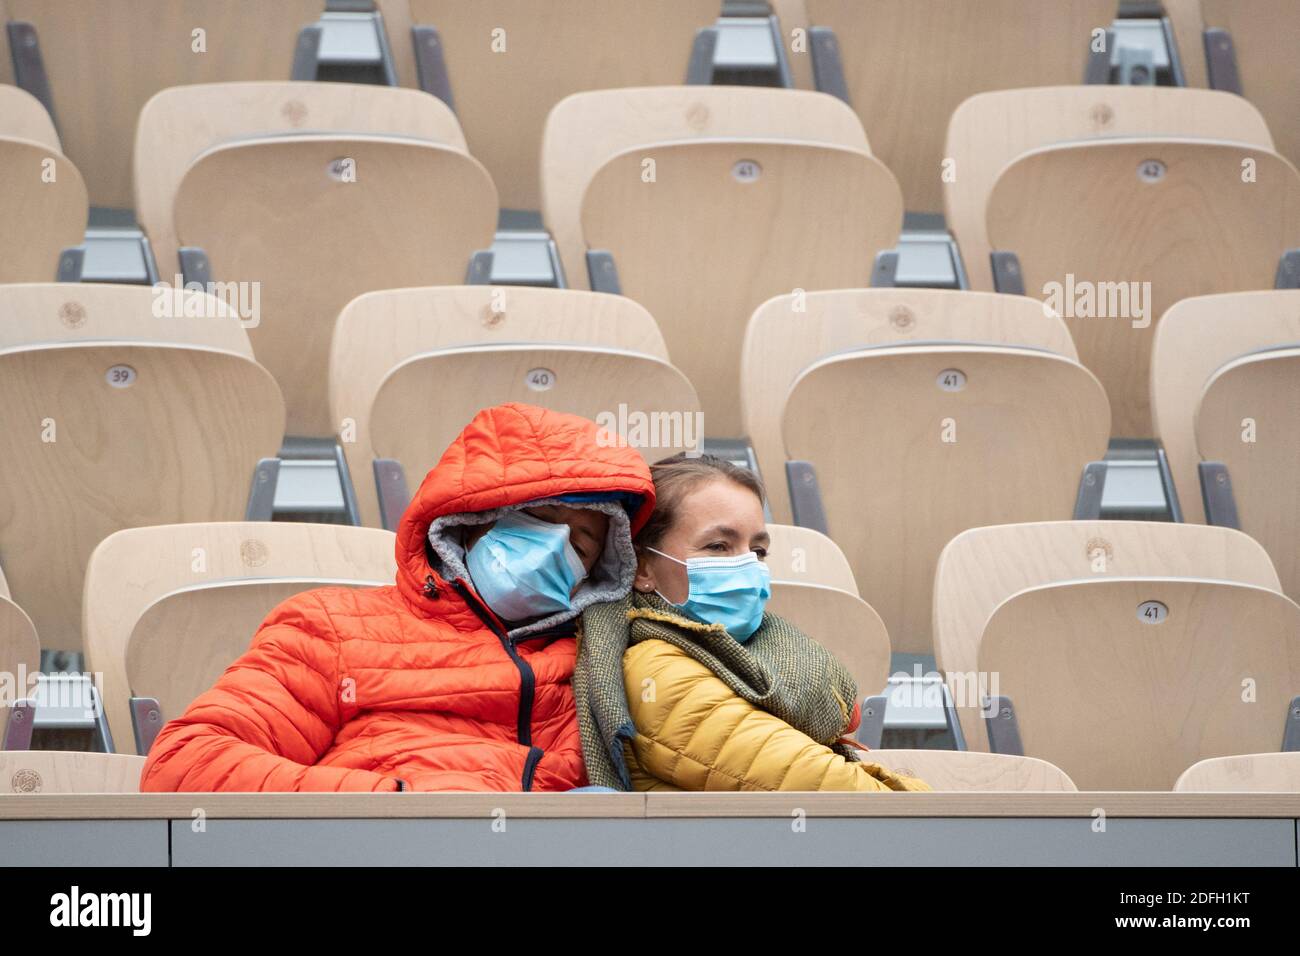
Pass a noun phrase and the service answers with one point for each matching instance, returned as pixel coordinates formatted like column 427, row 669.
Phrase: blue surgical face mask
column 524, row 567
column 730, row 591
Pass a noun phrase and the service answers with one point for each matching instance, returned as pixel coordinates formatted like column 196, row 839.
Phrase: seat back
column 841, row 622
column 1262, row 38
column 1105, row 225
column 908, row 64
column 20, row 650
column 423, row 403
column 989, row 130
column 724, row 227
column 1249, row 419
column 788, row 333
column 1243, row 773
column 60, row 771
column 507, row 65
column 1194, row 339
column 169, row 608
column 105, row 60
column 963, row 771
column 805, row 556
column 314, row 231
column 982, row 567
column 1124, row 683
column 905, row 463
column 43, row 206
column 116, row 413
column 180, row 123
column 586, row 129
column 378, row 331
column 23, row 117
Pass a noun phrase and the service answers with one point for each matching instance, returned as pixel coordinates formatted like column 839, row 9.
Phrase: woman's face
column 716, row 519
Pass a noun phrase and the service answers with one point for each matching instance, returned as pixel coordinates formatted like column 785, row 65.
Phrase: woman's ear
column 645, row 576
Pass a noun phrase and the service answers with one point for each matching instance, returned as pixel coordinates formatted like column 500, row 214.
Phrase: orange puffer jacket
column 354, row 689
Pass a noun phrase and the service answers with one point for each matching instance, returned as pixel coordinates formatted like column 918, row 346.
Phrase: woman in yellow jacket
column 687, row 684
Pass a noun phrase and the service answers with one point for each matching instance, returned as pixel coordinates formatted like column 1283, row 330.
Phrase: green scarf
column 779, row 669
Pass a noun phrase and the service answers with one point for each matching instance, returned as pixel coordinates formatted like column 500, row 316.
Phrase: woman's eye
column 761, row 552
column 718, row 546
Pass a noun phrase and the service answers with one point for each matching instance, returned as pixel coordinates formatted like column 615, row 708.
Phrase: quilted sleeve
column 695, row 733
column 267, row 720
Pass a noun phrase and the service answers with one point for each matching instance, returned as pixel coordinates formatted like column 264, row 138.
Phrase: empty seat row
column 903, row 65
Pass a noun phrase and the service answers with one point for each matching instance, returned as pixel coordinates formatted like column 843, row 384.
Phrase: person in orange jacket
column 457, row 677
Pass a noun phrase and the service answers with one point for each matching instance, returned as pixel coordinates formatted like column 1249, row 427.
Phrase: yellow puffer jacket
column 695, row 733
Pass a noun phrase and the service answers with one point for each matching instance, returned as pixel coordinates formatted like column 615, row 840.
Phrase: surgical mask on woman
column 731, row 591
column 524, row 567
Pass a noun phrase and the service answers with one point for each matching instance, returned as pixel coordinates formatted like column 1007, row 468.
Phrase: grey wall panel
column 83, row 842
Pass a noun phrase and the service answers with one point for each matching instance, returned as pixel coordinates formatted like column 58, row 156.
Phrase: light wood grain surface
column 908, row 64
column 1263, row 34
column 106, row 59
column 272, row 211
column 20, row 648
column 178, row 124
column 788, row 333
column 379, row 330
column 1194, row 338
column 1119, row 703
column 87, row 458
column 424, row 403
column 168, row 608
column 805, row 556
column 965, row 772
column 586, row 129
column 701, row 249
column 43, row 206
column 25, row 773
column 989, row 130
column 1083, row 806
column 23, row 117
column 1244, row 773
column 905, row 465
column 1082, row 209
column 508, row 66
column 982, row 567
column 1249, row 419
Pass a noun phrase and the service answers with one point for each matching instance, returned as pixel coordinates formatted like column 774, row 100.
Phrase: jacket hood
column 515, row 455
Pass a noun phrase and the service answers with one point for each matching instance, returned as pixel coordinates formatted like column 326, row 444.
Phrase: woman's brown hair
column 676, row 477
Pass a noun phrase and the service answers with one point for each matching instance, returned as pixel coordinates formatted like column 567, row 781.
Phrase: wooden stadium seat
column 723, row 227
column 169, row 608
column 422, row 404
column 20, row 649
column 43, row 206
column 1195, row 338
column 989, row 130
column 291, row 213
column 1124, row 697
column 114, row 414
column 378, row 331
column 178, row 124
column 982, row 567
column 959, row 770
column 1262, row 33
column 788, row 333
column 1190, row 217
column 907, row 64
column 23, row 117
column 1243, row 773
column 905, row 464
column 106, row 59
column 805, row 556
column 841, row 622
column 506, row 65
column 25, row 772
column 1249, row 420
column 586, row 129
